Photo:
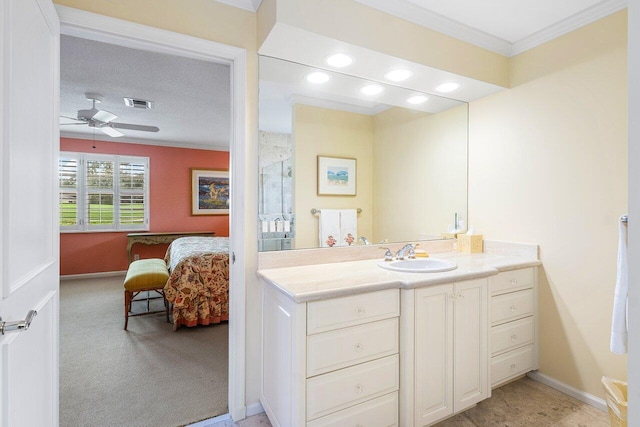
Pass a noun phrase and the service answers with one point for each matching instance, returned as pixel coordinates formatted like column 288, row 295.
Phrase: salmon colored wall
column 170, row 206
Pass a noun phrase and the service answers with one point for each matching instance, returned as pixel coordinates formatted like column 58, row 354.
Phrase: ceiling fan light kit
column 103, row 120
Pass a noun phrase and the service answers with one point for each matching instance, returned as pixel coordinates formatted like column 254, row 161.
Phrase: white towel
column 619, row 320
column 329, row 228
column 348, row 227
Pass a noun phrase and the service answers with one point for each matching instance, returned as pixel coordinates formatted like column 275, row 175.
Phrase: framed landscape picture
column 336, row 176
column 209, row 192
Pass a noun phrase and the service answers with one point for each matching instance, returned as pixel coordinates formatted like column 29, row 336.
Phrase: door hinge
column 233, row 258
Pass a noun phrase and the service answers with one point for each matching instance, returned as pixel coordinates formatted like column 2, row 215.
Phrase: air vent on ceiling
column 138, row 103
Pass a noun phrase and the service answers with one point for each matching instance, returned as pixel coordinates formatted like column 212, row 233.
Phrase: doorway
column 109, row 30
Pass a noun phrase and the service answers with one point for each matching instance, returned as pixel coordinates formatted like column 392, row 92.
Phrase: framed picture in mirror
column 209, row 192
column 336, row 176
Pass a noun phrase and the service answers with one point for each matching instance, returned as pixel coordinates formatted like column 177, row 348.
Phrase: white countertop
column 324, row 281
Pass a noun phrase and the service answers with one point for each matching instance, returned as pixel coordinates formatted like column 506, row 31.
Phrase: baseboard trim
column 254, row 409
column 215, row 421
column 251, row 410
column 582, row 396
column 93, row 275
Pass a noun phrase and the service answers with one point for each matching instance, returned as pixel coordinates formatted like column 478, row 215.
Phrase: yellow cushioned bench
column 145, row 275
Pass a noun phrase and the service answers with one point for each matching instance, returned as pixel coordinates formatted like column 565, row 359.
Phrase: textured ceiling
column 191, row 97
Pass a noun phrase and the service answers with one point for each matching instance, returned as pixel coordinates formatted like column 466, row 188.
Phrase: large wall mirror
column 410, row 152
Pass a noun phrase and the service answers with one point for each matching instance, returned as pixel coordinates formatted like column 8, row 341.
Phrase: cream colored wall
column 211, row 20
column 419, row 161
column 320, row 131
column 548, row 165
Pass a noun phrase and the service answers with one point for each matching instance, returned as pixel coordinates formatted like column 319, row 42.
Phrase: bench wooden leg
column 127, row 307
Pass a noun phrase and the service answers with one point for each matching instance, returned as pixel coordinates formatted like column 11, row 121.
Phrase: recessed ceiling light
column 318, row 77
column 417, row 99
column 339, row 60
column 448, row 87
column 398, row 75
column 372, row 89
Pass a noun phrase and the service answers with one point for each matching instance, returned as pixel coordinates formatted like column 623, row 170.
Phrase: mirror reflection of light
column 417, row 99
column 447, row 87
column 371, row 90
column 317, row 77
column 398, row 75
column 339, row 60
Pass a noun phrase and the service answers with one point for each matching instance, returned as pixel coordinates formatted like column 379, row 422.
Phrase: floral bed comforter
column 198, row 287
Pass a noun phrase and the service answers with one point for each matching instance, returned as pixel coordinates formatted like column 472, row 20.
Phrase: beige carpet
column 146, row 376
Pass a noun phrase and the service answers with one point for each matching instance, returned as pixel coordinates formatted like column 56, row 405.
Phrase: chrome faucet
column 388, row 256
column 364, row 240
column 408, row 251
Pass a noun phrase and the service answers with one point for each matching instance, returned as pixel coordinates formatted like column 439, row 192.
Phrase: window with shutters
column 103, row 192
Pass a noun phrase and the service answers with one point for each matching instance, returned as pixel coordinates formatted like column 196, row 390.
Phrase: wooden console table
column 158, row 238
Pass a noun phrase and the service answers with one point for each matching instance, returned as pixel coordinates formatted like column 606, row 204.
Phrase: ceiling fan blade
column 71, row 118
column 111, row 131
column 134, row 127
column 104, row 116
column 67, row 124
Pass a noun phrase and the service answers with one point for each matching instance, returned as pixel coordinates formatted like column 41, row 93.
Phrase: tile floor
column 523, row 403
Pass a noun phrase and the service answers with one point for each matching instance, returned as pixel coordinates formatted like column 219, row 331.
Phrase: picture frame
column 336, row 176
column 209, row 191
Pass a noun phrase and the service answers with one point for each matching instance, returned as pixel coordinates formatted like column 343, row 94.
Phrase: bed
column 198, row 285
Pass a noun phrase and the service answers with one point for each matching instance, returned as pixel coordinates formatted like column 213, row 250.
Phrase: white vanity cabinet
column 444, row 350
column 332, row 362
column 513, row 319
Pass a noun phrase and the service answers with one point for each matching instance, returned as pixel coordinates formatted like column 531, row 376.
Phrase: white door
column 29, row 266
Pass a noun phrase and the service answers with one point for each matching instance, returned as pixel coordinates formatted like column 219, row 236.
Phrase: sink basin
column 423, row 265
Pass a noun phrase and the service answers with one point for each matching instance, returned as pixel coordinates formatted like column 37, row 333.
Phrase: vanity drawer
column 511, row 335
column 380, row 412
column 347, row 387
column 353, row 310
column 511, row 281
column 515, row 305
column 338, row 349
column 514, row 363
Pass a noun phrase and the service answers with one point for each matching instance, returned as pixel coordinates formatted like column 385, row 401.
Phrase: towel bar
column 315, row 211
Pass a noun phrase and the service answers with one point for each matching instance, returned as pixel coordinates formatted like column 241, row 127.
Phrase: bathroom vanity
column 350, row 343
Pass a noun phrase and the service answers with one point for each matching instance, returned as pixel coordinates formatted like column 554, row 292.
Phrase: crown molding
column 250, row 5
column 423, row 17
column 580, row 19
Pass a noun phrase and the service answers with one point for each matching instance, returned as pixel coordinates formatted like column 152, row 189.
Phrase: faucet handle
column 412, row 250
column 388, row 256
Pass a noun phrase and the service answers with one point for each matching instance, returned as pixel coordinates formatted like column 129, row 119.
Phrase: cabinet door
column 470, row 343
column 433, row 353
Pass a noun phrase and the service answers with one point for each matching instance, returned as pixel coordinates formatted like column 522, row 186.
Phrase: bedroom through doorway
column 104, row 370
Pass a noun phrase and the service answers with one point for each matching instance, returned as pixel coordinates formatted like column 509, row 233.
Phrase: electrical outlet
column 136, row 257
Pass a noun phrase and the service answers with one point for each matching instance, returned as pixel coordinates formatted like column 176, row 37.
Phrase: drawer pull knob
column 513, row 367
column 359, row 389
column 358, row 348
column 513, row 308
column 514, row 337
column 361, row 311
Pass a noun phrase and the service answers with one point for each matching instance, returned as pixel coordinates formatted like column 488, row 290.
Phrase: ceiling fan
column 103, row 120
